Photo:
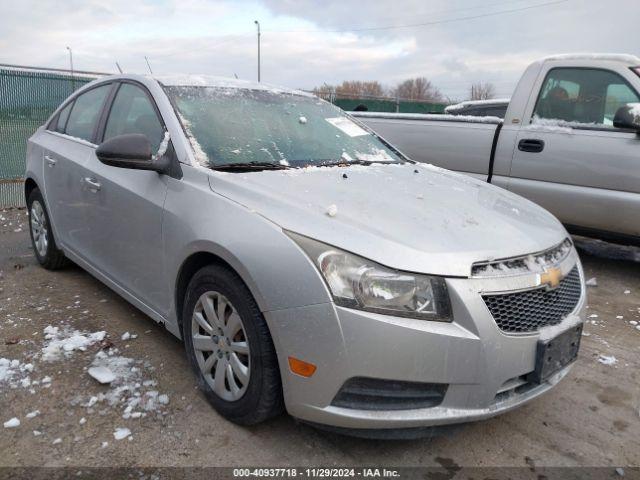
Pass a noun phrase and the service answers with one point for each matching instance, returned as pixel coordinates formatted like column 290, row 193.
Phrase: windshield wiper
column 346, row 163
column 249, row 166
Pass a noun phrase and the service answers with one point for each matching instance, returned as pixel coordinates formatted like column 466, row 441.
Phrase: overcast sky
column 306, row 43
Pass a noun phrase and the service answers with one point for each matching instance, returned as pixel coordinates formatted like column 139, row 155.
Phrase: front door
column 572, row 161
column 125, row 217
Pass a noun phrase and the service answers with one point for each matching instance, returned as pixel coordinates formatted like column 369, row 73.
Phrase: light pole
column 258, row 25
column 73, row 86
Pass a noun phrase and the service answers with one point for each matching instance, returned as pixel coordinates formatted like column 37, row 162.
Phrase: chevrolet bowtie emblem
column 550, row 277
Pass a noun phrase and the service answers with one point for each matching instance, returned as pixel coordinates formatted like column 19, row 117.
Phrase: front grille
column 524, row 264
column 362, row 393
column 531, row 310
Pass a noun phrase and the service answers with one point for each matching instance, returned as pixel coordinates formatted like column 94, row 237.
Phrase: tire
column 217, row 292
column 42, row 240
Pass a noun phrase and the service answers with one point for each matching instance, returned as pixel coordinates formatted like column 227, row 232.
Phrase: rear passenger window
column 62, row 118
column 133, row 112
column 85, row 112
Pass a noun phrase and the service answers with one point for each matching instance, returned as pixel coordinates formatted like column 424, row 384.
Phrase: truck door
column 570, row 159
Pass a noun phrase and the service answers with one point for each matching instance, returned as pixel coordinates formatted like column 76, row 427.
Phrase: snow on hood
column 433, row 221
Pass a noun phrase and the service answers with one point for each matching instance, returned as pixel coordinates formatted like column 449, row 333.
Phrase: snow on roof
column 221, row 82
column 611, row 57
column 440, row 117
column 468, row 103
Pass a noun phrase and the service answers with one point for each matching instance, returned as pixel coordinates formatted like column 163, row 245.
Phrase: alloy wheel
column 39, row 228
column 220, row 346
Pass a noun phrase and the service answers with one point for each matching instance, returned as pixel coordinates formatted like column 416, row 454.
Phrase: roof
column 221, row 82
column 610, row 57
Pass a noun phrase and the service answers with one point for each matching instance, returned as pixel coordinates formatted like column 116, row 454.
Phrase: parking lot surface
column 67, row 418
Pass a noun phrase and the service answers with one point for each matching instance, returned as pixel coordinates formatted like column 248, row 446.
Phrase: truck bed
column 456, row 142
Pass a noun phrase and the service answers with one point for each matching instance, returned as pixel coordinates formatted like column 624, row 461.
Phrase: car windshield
column 231, row 126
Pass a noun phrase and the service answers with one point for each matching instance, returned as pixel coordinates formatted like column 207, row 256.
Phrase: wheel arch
column 29, row 186
column 192, row 264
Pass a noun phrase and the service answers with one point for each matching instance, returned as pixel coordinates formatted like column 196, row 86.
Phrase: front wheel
column 230, row 348
column 42, row 240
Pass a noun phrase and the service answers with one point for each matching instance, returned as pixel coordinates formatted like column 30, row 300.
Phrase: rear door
column 125, row 214
column 67, row 144
column 571, row 160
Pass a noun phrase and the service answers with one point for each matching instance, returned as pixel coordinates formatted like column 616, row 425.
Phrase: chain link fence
column 28, row 96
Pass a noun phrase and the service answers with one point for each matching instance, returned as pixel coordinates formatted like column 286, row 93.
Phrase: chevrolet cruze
column 307, row 263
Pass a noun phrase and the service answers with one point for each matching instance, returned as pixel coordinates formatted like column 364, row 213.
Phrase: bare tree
column 482, row 91
column 352, row 89
column 418, row 88
column 358, row 88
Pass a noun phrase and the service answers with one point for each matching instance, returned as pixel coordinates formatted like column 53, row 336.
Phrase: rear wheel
column 42, row 240
column 230, row 347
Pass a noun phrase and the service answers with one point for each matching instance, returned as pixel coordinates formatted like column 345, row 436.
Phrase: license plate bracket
column 556, row 353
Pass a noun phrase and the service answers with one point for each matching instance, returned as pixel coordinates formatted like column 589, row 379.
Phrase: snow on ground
column 14, row 373
column 12, row 423
column 63, row 342
column 607, row 360
column 121, row 433
column 128, row 390
column 124, row 384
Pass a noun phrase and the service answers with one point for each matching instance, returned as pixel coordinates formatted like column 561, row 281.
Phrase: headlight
column 356, row 282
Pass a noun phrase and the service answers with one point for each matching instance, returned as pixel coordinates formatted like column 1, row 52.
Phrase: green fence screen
column 378, row 105
column 27, row 99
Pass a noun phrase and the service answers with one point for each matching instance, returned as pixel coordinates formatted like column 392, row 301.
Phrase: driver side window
column 133, row 112
column 583, row 95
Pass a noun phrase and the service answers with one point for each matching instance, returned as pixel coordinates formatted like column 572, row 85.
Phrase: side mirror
column 628, row 116
column 132, row 150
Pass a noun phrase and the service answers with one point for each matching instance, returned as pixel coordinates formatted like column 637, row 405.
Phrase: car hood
column 412, row 217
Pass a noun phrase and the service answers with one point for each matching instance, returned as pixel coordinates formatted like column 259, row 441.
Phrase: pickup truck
column 570, row 141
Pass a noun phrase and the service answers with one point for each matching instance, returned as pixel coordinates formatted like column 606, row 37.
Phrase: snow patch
column 102, row 374
column 12, row 423
column 62, row 343
column 121, row 433
column 128, row 390
column 607, row 360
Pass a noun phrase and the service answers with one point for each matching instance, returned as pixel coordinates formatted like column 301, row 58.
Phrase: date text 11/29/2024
column 316, row 472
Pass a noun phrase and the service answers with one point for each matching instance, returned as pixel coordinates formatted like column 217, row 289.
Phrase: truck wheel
column 42, row 240
column 230, row 347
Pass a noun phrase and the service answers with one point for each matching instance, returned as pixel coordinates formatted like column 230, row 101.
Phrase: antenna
column 235, row 75
column 119, row 69
column 148, row 66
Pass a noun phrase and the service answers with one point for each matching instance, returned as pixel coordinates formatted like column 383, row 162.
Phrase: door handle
column 50, row 161
column 92, row 183
column 531, row 145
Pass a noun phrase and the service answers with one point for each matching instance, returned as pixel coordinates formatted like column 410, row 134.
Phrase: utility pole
column 148, row 66
column 258, row 25
column 73, row 82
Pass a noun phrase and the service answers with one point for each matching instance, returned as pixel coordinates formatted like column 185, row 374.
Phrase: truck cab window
column 583, row 95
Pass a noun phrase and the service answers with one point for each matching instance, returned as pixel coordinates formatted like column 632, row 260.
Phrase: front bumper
column 484, row 369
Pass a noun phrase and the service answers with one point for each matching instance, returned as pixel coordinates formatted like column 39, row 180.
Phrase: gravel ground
column 592, row 418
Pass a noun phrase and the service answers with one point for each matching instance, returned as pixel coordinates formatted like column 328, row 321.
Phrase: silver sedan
column 307, row 264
